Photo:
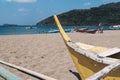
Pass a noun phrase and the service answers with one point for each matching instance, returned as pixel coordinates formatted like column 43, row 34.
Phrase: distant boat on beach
column 30, row 27
column 86, row 30
column 92, row 31
column 81, row 30
column 115, row 27
column 56, row 31
column 53, row 31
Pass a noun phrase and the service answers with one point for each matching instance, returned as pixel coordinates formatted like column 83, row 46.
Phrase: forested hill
column 109, row 14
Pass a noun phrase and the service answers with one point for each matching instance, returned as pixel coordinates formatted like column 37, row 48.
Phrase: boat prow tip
column 62, row 32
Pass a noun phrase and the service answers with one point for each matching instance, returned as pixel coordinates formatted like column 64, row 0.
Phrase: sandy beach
column 47, row 53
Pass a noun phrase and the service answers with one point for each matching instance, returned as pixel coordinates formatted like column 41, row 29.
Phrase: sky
column 29, row 12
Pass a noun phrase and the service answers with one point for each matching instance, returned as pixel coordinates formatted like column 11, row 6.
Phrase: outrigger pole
column 30, row 72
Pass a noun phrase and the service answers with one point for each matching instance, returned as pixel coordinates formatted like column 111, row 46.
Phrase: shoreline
column 44, row 33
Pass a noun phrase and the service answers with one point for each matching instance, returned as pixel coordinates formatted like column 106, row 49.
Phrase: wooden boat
column 9, row 76
column 29, row 27
column 56, row 31
column 91, row 31
column 81, row 30
column 115, row 27
column 92, row 63
column 86, row 30
column 53, row 31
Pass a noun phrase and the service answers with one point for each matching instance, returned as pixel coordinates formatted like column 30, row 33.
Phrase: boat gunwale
column 95, row 57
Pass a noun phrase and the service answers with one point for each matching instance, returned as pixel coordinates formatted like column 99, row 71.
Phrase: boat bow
column 92, row 63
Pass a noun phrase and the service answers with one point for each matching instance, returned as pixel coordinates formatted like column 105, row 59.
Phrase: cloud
column 87, row 3
column 22, row 1
column 23, row 11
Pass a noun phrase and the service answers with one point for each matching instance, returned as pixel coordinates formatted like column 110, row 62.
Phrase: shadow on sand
column 75, row 74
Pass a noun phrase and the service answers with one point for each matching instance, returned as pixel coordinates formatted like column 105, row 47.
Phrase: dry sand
column 47, row 53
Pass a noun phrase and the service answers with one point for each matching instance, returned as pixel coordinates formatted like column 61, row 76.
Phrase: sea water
column 18, row 30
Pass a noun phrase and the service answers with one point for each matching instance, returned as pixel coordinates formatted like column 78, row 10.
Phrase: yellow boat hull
column 86, row 66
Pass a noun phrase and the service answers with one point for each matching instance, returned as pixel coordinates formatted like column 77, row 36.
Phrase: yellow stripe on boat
column 87, row 59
